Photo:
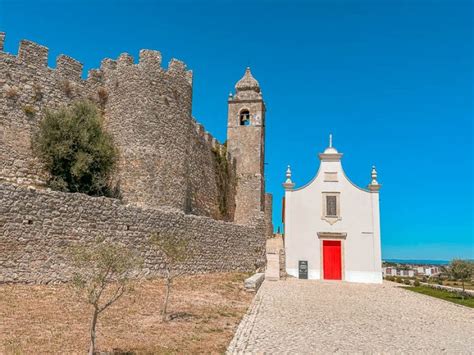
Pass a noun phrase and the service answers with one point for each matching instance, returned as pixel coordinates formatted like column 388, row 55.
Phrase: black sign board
column 303, row 269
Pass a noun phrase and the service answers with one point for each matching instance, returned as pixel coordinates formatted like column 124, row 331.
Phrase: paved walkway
column 302, row 317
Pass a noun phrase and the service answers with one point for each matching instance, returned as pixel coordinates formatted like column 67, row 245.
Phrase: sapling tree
column 101, row 277
column 174, row 251
column 461, row 270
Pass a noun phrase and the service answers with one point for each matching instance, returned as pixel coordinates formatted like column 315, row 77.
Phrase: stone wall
column 38, row 226
column 268, row 214
column 166, row 158
column 27, row 87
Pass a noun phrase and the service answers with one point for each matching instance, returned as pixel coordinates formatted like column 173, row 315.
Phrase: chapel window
column 244, row 118
column 331, row 206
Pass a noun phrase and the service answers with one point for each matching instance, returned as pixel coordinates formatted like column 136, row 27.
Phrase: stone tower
column 245, row 139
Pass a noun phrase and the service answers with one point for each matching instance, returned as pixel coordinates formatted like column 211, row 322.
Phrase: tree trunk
column 93, row 324
column 167, row 295
column 462, row 282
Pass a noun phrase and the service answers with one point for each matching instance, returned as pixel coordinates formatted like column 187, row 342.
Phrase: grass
column 467, row 285
column 205, row 311
column 444, row 295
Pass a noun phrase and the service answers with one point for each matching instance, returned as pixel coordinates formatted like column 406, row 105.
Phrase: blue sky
column 392, row 80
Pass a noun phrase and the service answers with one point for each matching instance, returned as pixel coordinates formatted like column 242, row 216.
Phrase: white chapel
column 331, row 226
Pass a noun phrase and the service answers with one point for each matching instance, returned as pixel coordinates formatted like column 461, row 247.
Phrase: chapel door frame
column 333, row 237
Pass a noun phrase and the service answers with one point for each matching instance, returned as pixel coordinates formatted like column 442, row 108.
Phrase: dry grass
column 205, row 309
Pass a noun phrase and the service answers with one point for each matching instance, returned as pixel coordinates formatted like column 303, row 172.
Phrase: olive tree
column 174, row 252
column 461, row 270
column 101, row 277
column 75, row 149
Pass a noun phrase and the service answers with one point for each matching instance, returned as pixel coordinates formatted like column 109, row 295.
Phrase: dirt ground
column 206, row 310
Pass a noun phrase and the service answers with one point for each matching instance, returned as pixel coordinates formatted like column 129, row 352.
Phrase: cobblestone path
column 309, row 317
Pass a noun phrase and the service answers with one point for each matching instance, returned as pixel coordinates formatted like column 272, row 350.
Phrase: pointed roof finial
column 247, row 82
column 330, row 140
column 288, row 184
column 374, row 185
column 374, row 175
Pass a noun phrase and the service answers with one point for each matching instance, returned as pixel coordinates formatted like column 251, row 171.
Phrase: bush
column 76, row 151
column 416, row 283
column 407, row 282
column 399, row 280
column 29, row 110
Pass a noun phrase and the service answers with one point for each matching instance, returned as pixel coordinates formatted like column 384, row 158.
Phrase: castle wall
column 211, row 191
column 148, row 112
column 27, row 87
column 268, row 214
column 38, row 227
column 165, row 157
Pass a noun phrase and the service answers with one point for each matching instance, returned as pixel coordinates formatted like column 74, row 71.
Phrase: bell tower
column 245, row 143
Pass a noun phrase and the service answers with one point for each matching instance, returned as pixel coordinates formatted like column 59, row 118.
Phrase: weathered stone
column 218, row 246
column 253, row 283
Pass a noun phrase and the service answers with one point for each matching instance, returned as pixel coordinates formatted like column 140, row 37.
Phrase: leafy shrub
column 399, row 280
column 416, row 283
column 407, row 282
column 76, row 151
column 29, row 110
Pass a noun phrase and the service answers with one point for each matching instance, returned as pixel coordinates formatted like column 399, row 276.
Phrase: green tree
column 101, row 277
column 174, row 251
column 77, row 152
column 461, row 270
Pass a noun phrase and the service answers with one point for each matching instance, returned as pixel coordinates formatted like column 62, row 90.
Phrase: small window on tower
column 331, row 206
column 244, row 118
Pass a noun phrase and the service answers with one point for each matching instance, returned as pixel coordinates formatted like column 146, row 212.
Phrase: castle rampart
column 38, row 226
column 174, row 177
column 164, row 159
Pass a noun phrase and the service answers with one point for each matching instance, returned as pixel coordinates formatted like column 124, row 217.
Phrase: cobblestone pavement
column 305, row 316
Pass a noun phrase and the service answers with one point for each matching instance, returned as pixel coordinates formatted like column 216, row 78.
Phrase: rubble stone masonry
column 173, row 176
column 165, row 155
column 38, row 227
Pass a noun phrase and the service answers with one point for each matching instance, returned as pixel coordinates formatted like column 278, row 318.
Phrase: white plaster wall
column 359, row 210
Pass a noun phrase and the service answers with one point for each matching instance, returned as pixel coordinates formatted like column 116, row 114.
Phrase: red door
column 332, row 260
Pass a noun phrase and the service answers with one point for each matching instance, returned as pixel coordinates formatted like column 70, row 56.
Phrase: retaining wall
column 38, row 226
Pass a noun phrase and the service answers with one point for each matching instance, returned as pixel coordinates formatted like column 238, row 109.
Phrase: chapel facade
column 332, row 226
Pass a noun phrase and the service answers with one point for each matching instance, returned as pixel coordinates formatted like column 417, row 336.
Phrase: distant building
column 412, row 271
column 332, row 227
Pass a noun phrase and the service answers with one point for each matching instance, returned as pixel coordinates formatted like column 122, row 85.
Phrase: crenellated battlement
column 35, row 55
column 32, row 53
column 166, row 157
column 69, row 67
column 207, row 137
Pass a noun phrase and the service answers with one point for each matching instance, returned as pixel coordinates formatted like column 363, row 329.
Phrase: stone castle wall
column 173, row 176
column 164, row 154
column 38, row 227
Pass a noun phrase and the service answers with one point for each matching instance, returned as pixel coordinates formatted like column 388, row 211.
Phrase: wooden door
column 332, row 260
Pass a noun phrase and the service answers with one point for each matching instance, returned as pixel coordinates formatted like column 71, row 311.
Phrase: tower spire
column 330, row 140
